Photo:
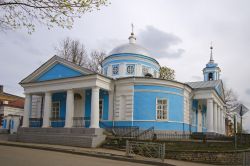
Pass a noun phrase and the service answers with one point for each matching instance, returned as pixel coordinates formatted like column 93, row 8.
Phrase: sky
column 177, row 32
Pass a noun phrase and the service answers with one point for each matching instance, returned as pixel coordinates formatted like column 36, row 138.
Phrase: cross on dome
column 132, row 38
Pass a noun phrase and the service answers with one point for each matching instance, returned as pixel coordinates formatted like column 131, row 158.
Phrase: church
column 129, row 92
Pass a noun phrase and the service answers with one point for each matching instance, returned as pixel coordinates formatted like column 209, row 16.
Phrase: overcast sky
column 178, row 33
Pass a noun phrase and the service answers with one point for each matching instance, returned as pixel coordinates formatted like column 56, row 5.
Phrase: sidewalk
column 99, row 152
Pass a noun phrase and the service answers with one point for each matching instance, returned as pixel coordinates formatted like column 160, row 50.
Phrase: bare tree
column 167, row 73
column 96, row 58
column 231, row 101
column 25, row 13
column 74, row 51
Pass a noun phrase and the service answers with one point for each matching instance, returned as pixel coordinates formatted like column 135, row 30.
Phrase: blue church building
column 129, row 92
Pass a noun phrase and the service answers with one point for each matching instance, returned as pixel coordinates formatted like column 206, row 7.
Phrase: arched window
column 210, row 76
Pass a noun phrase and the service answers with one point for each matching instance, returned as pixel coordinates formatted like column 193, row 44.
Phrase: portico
column 215, row 113
column 77, row 98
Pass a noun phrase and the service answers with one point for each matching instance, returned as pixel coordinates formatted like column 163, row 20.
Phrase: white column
column 215, row 117
column 94, row 123
column 47, row 109
column 69, row 109
column 209, row 115
column 218, row 119
column 223, row 122
column 27, row 109
column 111, row 100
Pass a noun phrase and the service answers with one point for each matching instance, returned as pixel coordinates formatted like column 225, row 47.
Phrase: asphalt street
column 16, row 156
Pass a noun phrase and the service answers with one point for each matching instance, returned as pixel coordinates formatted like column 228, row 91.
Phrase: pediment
column 56, row 68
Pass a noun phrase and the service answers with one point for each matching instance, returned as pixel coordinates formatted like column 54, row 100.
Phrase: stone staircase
column 80, row 137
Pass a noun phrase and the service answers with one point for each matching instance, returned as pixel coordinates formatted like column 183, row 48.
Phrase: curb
column 87, row 153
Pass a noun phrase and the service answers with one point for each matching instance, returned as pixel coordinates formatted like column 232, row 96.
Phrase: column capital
column 210, row 100
column 48, row 93
column 95, row 88
column 70, row 91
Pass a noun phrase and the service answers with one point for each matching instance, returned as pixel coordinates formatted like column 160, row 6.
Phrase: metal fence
column 124, row 131
column 169, row 136
column 146, row 150
column 80, row 121
column 35, row 122
column 246, row 158
column 146, row 134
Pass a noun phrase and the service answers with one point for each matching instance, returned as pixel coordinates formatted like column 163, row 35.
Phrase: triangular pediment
column 56, row 68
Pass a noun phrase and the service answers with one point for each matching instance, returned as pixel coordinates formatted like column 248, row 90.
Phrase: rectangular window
column 115, row 69
column 162, row 109
column 100, row 109
column 130, row 69
column 55, row 114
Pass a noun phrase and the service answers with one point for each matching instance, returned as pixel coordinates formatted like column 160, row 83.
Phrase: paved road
column 16, row 156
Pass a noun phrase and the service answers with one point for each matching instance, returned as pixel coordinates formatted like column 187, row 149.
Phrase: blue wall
column 155, row 67
column 103, row 95
column 158, row 125
column 145, row 104
column 59, row 71
column 61, row 97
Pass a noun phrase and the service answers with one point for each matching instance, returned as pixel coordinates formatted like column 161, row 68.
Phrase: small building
column 11, row 111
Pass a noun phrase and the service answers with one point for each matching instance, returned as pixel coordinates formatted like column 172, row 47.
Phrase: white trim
column 49, row 64
column 147, row 121
column 158, row 91
column 156, row 110
column 69, row 83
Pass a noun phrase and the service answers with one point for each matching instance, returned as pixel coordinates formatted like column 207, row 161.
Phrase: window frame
column 167, row 109
column 52, row 112
column 127, row 65
column 118, row 65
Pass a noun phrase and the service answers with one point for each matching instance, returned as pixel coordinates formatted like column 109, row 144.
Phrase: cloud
column 248, row 92
column 160, row 43
column 196, row 78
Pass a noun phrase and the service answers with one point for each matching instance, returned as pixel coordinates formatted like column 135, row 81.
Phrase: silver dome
column 132, row 48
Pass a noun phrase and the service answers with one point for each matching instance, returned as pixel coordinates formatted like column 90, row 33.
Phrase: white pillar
column 111, row 100
column 47, row 109
column 27, row 109
column 223, row 122
column 215, row 117
column 209, row 115
column 69, row 109
column 94, row 123
column 218, row 119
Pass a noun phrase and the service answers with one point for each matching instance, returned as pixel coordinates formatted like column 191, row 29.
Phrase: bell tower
column 211, row 72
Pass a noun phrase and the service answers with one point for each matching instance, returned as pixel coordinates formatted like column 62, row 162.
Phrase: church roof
column 204, row 84
column 131, row 48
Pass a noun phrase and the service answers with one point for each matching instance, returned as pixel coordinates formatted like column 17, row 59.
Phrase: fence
column 246, row 158
column 80, row 121
column 169, row 136
column 148, row 150
column 124, row 131
column 35, row 122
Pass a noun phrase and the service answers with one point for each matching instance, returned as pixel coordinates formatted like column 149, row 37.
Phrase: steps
column 80, row 137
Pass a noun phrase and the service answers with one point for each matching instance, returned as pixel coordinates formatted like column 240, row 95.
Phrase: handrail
column 151, row 129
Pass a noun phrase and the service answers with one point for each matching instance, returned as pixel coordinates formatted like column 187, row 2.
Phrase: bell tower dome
column 211, row 72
